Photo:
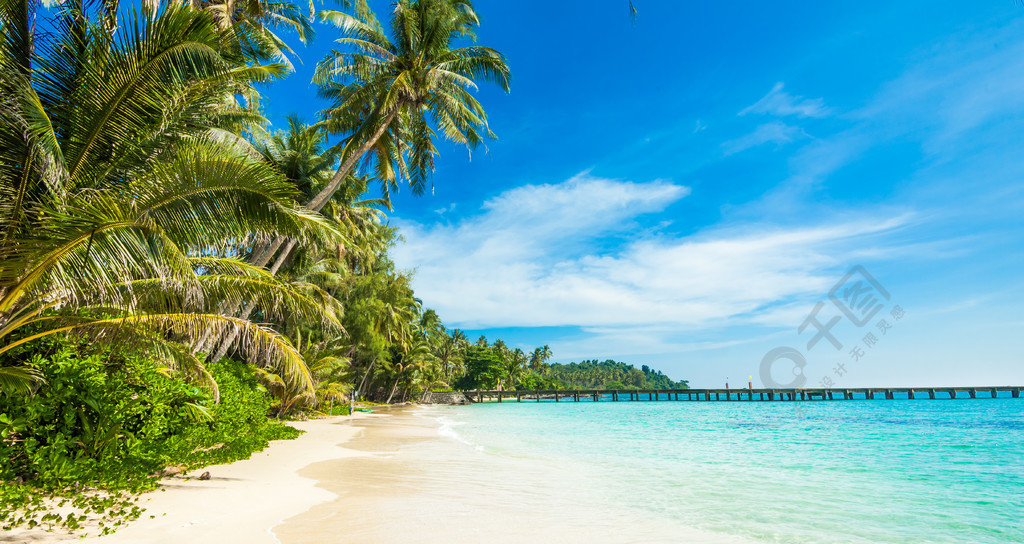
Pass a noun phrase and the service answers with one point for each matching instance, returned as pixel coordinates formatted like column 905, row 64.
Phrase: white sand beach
column 373, row 478
column 241, row 502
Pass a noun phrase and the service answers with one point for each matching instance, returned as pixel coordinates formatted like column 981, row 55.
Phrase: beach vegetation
column 102, row 425
column 176, row 276
column 609, row 374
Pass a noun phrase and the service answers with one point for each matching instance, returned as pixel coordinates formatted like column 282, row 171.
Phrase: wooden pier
column 750, row 394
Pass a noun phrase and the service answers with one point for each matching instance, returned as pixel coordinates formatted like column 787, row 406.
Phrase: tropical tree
column 539, row 359
column 403, row 88
column 251, row 26
column 515, row 366
column 117, row 192
column 410, row 358
column 449, row 353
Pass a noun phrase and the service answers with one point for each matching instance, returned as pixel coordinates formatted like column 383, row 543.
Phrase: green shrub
column 108, row 423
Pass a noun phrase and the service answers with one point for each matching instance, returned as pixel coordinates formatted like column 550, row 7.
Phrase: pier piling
column 750, row 394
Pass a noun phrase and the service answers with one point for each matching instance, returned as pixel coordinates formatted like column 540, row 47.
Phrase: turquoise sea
column 841, row 471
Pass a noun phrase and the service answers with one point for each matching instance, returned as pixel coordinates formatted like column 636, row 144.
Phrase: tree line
column 493, row 366
column 173, row 268
column 166, row 254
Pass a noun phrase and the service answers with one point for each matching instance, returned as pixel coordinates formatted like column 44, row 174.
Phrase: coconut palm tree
column 406, row 87
column 449, row 354
column 300, row 152
column 415, row 73
column 250, row 26
column 410, row 358
column 514, row 366
column 116, row 195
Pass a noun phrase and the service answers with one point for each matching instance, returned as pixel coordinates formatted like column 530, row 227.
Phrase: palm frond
column 19, row 380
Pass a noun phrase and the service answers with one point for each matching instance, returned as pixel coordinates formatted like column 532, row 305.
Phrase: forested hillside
column 611, row 374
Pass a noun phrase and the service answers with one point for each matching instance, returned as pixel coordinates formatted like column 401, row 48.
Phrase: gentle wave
column 857, row 471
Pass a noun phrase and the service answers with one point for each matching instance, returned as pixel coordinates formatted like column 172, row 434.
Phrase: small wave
column 447, row 430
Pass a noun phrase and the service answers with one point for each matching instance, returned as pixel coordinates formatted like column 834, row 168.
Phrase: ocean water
column 846, row 471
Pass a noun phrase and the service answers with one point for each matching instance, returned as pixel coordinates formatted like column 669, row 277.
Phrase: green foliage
column 121, row 161
column 406, row 88
column 534, row 382
column 611, row 374
column 108, row 423
column 483, row 369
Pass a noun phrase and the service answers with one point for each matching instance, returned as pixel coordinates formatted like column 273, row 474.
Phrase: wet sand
column 418, row 484
column 390, row 477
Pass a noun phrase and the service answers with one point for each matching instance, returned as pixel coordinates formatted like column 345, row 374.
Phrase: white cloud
column 535, row 256
column 779, row 102
column 446, row 209
column 777, row 132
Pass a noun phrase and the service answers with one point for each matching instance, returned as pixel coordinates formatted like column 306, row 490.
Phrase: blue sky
column 682, row 192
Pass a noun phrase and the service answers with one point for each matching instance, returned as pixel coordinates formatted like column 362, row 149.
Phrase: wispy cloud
column 777, row 132
column 779, row 102
column 954, row 113
column 446, row 209
column 529, row 258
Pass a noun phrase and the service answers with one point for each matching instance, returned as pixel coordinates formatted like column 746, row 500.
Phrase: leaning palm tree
column 514, row 366
column 300, row 152
column 414, row 74
column 251, row 27
column 408, row 87
column 117, row 196
column 410, row 358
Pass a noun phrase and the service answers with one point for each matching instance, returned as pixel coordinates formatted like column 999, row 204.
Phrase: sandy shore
column 381, row 478
column 419, row 482
column 242, row 502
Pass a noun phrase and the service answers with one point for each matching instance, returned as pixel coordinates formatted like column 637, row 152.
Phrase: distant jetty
column 748, row 394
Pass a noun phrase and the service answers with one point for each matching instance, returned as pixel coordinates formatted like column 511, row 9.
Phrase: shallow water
column 714, row 472
column 854, row 471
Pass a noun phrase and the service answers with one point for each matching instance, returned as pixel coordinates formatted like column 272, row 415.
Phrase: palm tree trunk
column 321, row 198
column 393, row 387
column 316, row 204
column 367, row 373
column 226, row 344
column 284, row 255
column 260, row 257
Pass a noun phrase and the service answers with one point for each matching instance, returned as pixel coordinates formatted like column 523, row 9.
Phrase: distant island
column 488, row 367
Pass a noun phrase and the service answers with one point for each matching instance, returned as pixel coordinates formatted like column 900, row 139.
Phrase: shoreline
column 418, row 478
column 377, row 478
column 243, row 501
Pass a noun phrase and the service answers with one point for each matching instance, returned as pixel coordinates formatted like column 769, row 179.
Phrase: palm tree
column 449, row 352
column 514, row 366
column 404, row 77
column 539, row 359
column 250, row 26
column 411, row 357
column 382, row 85
column 300, row 152
column 460, row 338
column 116, row 196
column 501, row 350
